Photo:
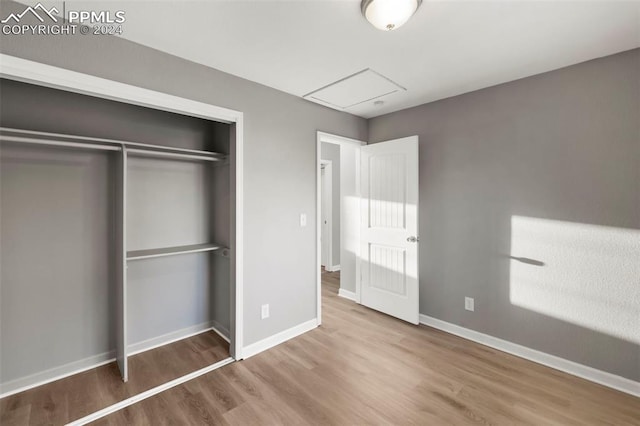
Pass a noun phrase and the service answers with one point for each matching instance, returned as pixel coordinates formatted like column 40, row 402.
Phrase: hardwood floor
column 363, row 367
column 359, row 367
column 76, row 396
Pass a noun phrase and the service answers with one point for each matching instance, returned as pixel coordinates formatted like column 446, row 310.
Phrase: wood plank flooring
column 76, row 396
column 363, row 367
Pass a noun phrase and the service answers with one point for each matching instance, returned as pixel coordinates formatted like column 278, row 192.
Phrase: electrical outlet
column 265, row 311
column 303, row 220
column 469, row 303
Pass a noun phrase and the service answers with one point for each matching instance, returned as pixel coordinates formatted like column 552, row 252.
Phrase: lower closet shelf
column 170, row 251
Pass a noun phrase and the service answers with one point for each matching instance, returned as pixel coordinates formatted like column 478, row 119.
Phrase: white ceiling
column 447, row 48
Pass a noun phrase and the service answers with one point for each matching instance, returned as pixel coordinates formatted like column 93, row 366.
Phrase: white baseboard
column 334, row 268
column 347, row 294
column 165, row 339
column 276, row 339
column 76, row 367
column 589, row 373
column 56, row 373
column 221, row 330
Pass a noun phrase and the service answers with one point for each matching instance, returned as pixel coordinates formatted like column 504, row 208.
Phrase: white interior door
column 389, row 228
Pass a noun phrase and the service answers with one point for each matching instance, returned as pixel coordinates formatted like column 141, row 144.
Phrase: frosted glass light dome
column 389, row 15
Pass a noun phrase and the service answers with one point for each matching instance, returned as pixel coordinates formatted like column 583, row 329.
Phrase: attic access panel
column 363, row 86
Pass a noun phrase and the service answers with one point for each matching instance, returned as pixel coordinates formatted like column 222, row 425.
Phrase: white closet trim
column 148, row 394
column 18, row 69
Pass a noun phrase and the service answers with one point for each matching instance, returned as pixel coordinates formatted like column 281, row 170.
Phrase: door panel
column 389, row 226
column 387, row 191
column 387, row 269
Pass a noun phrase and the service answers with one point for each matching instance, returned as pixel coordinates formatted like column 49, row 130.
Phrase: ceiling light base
column 388, row 15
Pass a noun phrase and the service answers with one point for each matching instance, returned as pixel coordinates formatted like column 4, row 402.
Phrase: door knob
column 413, row 239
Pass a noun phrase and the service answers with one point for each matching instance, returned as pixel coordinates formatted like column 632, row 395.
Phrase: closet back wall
column 56, row 291
column 57, row 233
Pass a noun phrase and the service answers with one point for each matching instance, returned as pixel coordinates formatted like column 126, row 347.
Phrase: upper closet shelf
column 83, row 142
column 170, row 251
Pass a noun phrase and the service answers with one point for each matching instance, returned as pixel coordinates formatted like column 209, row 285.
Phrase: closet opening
column 118, row 247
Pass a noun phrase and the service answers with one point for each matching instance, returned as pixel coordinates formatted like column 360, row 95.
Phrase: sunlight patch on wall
column 351, row 230
column 584, row 274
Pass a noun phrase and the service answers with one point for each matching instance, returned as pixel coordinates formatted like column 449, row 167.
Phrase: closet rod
column 213, row 155
column 60, row 143
column 147, row 153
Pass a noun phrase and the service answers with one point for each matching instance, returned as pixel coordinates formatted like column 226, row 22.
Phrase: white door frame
column 14, row 68
column 327, row 203
column 338, row 140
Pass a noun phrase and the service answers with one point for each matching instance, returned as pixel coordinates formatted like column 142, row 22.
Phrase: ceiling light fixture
column 389, row 15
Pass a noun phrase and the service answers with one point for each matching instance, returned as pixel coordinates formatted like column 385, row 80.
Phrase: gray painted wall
column 55, row 241
column 330, row 151
column 349, row 216
column 279, row 163
column 563, row 146
column 168, row 204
